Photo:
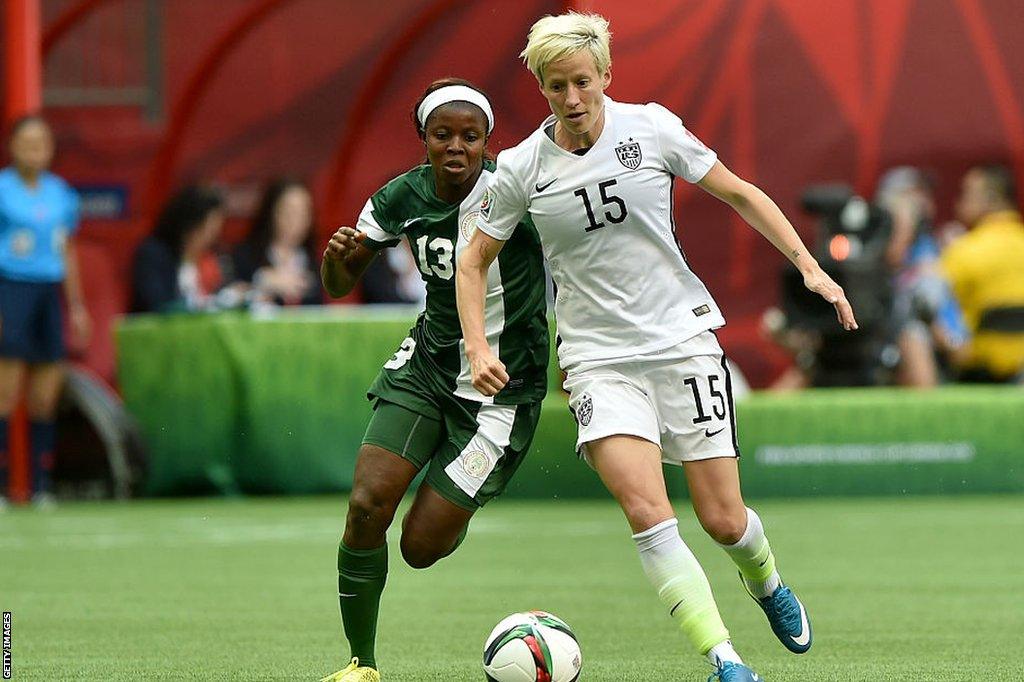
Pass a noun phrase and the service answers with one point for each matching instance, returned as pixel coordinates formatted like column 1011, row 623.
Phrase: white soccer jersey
column 605, row 223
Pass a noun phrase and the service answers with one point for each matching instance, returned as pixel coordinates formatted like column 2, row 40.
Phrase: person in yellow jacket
column 985, row 267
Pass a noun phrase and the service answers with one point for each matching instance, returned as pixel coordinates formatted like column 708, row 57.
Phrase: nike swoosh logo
column 761, row 565
column 672, row 612
column 410, row 221
column 342, row 594
column 805, row 629
column 708, row 433
column 541, row 188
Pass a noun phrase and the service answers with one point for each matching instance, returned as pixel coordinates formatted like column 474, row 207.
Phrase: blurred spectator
column 278, row 257
column 986, row 270
column 38, row 215
column 927, row 321
column 174, row 267
column 886, row 256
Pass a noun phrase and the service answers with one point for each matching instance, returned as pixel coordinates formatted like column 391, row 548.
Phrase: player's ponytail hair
column 437, row 85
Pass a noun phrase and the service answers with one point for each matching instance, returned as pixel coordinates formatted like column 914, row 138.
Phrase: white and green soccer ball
column 532, row 647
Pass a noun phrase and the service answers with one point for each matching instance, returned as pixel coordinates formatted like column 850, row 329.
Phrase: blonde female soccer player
column 647, row 378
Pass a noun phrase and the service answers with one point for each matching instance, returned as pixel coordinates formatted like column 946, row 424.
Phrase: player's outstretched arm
column 344, row 262
column 763, row 215
column 489, row 375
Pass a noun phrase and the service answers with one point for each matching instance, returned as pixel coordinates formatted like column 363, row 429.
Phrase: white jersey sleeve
column 686, row 156
column 367, row 224
column 505, row 202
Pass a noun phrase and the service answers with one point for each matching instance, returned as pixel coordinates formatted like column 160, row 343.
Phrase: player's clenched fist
column 343, row 243
column 489, row 375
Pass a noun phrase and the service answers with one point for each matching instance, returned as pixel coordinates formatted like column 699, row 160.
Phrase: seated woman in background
column 175, row 268
column 277, row 257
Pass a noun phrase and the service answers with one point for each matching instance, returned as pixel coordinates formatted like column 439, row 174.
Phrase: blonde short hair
column 554, row 38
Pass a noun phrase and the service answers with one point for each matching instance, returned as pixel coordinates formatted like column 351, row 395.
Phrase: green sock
column 754, row 558
column 681, row 584
column 361, row 577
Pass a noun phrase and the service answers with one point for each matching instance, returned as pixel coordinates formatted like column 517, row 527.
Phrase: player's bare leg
column 381, row 480
column 717, row 500
column 630, row 468
column 432, row 529
column 715, row 492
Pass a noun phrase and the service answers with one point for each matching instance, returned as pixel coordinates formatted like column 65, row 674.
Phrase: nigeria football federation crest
column 467, row 226
column 584, row 409
column 629, row 154
column 475, row 463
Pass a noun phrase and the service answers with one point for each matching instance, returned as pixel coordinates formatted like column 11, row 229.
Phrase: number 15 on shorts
column 717, row 402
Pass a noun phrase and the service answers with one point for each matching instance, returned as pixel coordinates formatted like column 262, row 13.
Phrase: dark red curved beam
column 732, row 92
column 66, row 21
column 162, row 168
column 979, row 31
column 364, row 102
column 362, row 107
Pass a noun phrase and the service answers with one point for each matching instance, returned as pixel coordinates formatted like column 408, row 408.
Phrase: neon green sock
column 361, row 577
column 754, row 558
column 681, row 584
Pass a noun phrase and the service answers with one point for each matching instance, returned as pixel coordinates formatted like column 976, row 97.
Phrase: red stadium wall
column 789, row 92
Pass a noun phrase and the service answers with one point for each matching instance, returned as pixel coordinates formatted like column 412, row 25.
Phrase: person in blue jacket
column 38, row 215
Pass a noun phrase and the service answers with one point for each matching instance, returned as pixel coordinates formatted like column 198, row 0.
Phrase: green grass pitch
column 898, row 589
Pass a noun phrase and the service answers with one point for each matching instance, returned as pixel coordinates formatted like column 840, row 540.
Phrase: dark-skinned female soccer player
column 426, row 412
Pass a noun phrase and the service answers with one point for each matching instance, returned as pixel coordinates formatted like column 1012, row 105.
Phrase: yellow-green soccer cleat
column 354, row 673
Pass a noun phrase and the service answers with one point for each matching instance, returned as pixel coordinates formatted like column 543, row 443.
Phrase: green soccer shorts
column 471, row 449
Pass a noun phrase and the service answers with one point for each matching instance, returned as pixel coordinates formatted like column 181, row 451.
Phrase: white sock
column 720, row 653
column 753, row 556
column 681, row 584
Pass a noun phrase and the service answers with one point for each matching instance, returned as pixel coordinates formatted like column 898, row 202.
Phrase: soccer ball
column 532, row 647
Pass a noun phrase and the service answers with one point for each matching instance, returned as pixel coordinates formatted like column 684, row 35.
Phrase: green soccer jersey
column 515, row 310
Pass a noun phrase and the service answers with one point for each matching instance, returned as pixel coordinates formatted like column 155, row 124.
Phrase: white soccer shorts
column 679, row 399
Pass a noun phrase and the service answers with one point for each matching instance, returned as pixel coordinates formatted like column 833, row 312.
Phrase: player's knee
column 419, row 554
column 726, row 526
column 643, row 514
column 368, row 511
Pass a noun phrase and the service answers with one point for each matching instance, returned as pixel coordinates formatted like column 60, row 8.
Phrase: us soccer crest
column 584, row 409
column 629, row 154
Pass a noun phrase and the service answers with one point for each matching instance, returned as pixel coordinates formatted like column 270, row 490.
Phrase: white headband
column 454, row 93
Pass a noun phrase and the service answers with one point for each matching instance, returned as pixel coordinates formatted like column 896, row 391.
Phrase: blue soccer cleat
column 734, row 672
column 787, row 617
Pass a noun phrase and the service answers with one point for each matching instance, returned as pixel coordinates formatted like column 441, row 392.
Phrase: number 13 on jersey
column 442, row 250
